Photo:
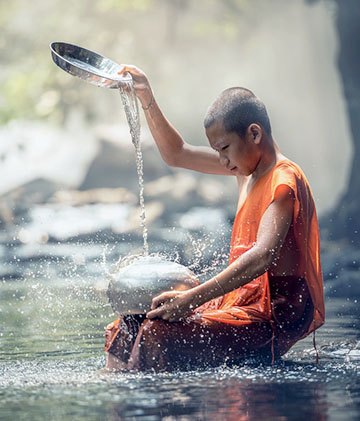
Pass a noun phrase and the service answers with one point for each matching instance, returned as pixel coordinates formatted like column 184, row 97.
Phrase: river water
column 51, row 356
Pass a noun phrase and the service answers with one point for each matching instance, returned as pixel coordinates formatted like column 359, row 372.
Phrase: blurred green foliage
column 126, row 5
column 154, row 34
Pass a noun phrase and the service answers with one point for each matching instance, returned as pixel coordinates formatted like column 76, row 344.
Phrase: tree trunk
column 344, row 220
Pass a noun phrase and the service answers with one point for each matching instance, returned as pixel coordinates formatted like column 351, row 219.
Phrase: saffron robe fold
column 252, row 302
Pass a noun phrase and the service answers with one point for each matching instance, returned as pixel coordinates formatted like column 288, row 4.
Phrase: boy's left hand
column 171, row 306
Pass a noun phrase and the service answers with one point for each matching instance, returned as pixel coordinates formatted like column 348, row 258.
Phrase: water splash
column 130, row 258
column 131, row 108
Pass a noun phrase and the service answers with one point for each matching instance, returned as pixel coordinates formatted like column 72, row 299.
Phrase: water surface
column 52, row 352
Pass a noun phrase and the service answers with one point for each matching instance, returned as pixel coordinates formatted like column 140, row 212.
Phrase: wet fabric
column 266, row 316
column 252, row 301
column 191, row 344
column 199, row 343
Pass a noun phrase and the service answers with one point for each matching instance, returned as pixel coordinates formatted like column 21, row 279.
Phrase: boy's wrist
column 147, row 99
column 196, row 297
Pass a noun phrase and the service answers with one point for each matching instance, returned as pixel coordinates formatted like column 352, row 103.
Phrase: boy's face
column 239, row 155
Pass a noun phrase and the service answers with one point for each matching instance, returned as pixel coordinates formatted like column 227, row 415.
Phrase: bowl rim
column 99, row 74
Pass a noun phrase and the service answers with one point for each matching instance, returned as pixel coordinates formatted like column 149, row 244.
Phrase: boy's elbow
column 270, row 257
column 267, row 257
column 173, row 159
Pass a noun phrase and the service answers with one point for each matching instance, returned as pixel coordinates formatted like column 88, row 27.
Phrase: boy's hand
column 171, row 306
column 141, row 83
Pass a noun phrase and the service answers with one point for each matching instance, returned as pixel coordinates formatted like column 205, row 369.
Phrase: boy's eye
column 224, row 147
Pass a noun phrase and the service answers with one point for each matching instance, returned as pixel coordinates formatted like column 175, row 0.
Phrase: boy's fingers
column 156, row 301
column 160, row 299
column 164, row 314
column 153, row 314
column 125, row 68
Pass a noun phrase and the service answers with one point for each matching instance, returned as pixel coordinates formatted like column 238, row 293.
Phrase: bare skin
column 247, row 158
column 113, row 363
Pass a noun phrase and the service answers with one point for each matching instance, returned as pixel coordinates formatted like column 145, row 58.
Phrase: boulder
column 115, row 163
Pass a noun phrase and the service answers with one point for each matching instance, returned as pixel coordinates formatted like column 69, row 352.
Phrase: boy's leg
column 119, row 340
column 113, row 363
column 292, row 309
column 192, row 344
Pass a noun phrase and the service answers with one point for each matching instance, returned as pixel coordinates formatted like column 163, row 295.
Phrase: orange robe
column 252, row 302
column 245, row 321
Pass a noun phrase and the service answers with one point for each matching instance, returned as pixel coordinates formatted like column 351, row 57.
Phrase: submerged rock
column 32, row 150
column 204, row 218
column 114, row 165
column 133, row 287
column 101, row 195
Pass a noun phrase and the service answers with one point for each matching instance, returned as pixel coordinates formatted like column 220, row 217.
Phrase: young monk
column 271, row 294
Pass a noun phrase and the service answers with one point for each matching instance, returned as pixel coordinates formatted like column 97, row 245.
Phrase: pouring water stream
column 131, row 108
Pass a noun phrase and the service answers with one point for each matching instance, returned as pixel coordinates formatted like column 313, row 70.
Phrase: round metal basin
column 132, row 289
column 87, row 65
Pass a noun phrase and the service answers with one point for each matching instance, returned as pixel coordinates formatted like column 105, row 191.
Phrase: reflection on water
column 52, row 351
column 244, row 393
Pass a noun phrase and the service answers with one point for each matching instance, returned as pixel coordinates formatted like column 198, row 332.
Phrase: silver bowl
column 87, row 65
column 133, row 287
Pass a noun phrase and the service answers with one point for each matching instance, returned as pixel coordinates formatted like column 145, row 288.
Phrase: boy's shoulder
column 287, row 163
column 288, row 169
column 287, row 172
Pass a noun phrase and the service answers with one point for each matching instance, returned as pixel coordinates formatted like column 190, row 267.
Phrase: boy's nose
column 223, row 160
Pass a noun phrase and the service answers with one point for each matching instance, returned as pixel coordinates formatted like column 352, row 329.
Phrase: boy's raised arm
column 173, row 149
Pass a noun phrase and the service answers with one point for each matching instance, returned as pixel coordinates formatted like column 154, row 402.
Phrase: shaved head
column 237, row 108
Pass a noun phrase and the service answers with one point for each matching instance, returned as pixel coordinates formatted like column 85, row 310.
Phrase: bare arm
column 274, row 226
column 173, row 149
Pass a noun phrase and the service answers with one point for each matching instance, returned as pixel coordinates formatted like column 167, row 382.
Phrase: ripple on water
column 51, row 354
column 78, row 382
column 77, row 371
column 76, row 386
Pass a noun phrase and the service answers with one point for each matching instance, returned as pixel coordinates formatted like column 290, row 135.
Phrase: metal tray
column 87, row 65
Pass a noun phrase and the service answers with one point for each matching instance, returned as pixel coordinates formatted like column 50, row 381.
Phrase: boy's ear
column 255, row 133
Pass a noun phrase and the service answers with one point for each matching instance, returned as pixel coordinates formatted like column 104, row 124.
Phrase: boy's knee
column 113, row 363
column 154, row 327
column 156, row 333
